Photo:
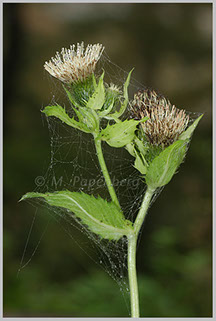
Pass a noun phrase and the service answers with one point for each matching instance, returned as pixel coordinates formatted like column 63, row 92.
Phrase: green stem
column 143, row 210
column 132, row 247
column 105, row 171
column 132, row 276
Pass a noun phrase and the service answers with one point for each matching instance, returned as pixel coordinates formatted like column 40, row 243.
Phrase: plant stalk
column 132, row 248
column 105, row 171
column 132, row 276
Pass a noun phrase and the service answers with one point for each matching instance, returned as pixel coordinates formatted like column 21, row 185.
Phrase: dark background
column 170, row 47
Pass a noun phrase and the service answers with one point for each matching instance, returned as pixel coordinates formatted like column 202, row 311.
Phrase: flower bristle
column 165, row 123
column 74, row 64
column 114, row 88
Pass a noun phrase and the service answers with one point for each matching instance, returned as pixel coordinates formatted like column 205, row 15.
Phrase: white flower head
column 74, row 64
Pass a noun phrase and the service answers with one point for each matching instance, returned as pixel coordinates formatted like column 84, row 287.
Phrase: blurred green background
column 170, row 47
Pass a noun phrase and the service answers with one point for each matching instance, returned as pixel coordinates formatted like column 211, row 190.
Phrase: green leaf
column 139, row 165
column 119, row 134
column 164, row 166
column 60, row 113
column 89, row 117
column 188, row 133
column 84, row 114
column 141, row 145
column 80, row 115
column 108, row 110
column 138, row 144
column 98, row 98
column 138, row 149
column 131, row 149
column 71, row 98
column 101, row 217
column 124, row 104
column 94, row 81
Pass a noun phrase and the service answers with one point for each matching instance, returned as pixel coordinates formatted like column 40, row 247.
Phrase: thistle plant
column 155, row 133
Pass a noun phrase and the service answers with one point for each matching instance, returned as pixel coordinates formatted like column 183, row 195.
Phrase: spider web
column 74, row 166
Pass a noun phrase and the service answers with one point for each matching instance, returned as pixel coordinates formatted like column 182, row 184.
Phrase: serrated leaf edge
column 110, row 227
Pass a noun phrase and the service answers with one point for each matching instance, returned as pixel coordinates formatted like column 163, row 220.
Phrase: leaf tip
column 31, row 195
column 143, row 119
column 102, row 75
column 46, row 110
column 131, row 70
column 22, row 198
